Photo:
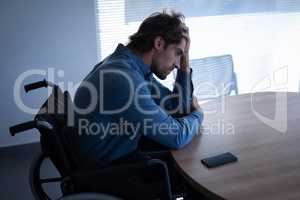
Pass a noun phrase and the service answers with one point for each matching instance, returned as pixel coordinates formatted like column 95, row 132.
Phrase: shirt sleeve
column 143, row 116
column 178, row 101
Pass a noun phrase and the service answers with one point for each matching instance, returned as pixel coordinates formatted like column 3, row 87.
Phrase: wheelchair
column 75, row 183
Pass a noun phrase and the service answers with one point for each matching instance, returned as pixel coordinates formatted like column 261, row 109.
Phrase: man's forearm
column 184, row 90
column 184, row 63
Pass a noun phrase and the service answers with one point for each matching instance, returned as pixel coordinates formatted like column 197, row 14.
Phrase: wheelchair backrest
column 52, row 123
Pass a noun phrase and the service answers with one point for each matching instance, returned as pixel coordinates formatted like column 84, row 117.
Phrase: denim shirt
column 119, row 101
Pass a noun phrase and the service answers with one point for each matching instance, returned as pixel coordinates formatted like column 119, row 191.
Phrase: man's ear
column 159, row 43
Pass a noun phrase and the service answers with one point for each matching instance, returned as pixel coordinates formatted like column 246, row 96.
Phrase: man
column 120, row 102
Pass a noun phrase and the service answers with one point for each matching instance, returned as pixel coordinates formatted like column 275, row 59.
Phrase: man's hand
column 195, row 105
column 184, row 59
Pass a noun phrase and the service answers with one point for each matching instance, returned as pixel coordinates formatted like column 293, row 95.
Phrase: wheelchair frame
column 49, row 124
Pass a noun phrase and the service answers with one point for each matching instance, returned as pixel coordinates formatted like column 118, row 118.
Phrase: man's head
column 162, row 36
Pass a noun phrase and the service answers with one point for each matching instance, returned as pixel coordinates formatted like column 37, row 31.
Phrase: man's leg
column 125, row 181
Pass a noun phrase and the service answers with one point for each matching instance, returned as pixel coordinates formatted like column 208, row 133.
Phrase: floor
column 14, row 172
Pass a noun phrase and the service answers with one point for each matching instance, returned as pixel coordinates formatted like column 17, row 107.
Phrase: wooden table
column 263, row 131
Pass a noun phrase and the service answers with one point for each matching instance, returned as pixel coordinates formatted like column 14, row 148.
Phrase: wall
column 57, row 37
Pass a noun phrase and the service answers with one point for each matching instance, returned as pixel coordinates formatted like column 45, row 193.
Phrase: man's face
column 164, row 59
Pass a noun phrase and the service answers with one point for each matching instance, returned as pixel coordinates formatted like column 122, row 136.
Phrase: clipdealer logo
column 279, row 81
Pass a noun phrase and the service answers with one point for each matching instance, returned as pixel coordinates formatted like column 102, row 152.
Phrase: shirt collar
column 145, row 68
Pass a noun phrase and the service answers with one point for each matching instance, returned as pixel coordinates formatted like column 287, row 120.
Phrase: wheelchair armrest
column 156, row 154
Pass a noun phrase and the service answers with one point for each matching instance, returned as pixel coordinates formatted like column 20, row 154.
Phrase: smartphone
column 219, row 160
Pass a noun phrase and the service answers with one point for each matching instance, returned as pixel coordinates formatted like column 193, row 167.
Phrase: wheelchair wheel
column 35, row 180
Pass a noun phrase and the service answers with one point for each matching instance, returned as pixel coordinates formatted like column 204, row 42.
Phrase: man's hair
column 168, row 26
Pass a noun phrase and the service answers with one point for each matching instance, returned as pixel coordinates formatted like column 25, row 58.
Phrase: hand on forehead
column 185, row 34
column 185, row 28
column 185, row 31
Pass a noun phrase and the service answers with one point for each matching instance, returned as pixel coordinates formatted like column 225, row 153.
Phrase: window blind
column 261, row 35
